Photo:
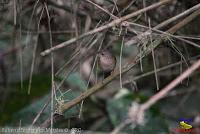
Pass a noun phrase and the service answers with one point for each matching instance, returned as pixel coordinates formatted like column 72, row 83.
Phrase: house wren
column 107, row 62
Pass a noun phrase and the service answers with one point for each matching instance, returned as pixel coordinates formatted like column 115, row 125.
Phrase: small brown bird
column 107, row 62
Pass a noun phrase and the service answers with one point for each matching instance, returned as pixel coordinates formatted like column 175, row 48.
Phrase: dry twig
column 109, row 25
column 137, row 115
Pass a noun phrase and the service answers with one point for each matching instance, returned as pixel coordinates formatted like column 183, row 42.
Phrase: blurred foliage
column 118, row 109
column 75, row 80
column 23, row 104
column 19, row 98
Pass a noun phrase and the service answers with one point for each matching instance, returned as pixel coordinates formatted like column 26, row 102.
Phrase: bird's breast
column 107, row 65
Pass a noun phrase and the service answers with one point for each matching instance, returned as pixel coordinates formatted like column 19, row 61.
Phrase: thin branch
column 121, row 126
column 109, row 25
column 34, row 54
column 120, row 62
column 41, row 111
column 164, row 23
column 52, row 66
column 94, row 63
column 159, row 70
column 170, row 86
column 32, row 14
column 135, row 115
column 106, row 11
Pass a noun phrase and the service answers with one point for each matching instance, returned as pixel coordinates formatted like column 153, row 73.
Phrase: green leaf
column 75, row 80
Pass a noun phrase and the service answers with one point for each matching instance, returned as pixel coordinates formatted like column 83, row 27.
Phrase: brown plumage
column 107, row 62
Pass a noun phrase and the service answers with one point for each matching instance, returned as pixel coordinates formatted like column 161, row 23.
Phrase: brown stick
column 163, row 24
column 133, row 117
column 170, row 86
column 109, row 25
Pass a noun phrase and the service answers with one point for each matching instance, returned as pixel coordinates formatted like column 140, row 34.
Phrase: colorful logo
column 185, row 126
